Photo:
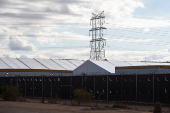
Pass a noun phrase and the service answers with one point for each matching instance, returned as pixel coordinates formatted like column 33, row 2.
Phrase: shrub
column 157, row 108
column 10, row 92
column 121, row 106
column 81, row 95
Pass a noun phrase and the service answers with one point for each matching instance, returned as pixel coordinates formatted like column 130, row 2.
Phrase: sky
column 137, row 30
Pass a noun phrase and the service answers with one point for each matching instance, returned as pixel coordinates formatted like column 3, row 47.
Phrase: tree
column 10, row 92
column 157, row 108
column 81, row 95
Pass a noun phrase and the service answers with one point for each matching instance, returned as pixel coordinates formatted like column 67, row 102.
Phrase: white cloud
column 160, row 55
column 146, row 30
column 29, row 23
column 18, row 44
column 68, row 54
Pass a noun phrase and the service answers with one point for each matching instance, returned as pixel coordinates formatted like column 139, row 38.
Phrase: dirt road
column 38, row 107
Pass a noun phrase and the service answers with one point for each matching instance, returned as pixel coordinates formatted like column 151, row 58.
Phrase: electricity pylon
column 98, row 42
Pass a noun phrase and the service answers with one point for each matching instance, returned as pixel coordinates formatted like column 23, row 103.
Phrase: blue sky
column 137, row 30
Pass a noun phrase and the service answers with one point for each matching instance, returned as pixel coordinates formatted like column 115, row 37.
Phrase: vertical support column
column 42, row 87
column 94, row 87
column 136, row 87
column 4, row 80
column 25, row 86
column 107, row 88
column 33, row 85
column 51, row 88
column 82, row 83
column 17, row 80
column 70, row 87
column 153, row 89
column 121, row 87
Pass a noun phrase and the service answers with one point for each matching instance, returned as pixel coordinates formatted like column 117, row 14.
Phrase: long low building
column 121, row 68
column 107, row 80
column 37, row 66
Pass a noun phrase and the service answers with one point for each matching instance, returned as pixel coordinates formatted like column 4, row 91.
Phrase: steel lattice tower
column 98, row 42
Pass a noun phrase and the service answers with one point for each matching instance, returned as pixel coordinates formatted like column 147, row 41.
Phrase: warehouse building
column 36, row 75
column 107, row 80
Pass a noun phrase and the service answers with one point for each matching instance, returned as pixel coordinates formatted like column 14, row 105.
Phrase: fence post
column 107, row 88
column 33, row 85
column 153, row 89
column 70, row 86
column 51, row 87
column 136, row 87
column 82, row 82
column 94, row 87
column 25, row 86
column 17, row 80
column 42, row 88
column 121, row 87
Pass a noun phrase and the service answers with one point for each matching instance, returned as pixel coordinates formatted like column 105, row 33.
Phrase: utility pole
column 98, row 42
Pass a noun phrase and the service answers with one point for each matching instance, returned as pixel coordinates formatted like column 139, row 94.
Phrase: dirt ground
column 65, row 106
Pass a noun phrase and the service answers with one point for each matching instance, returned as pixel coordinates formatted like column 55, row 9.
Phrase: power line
column 116, row 26
column 128, row 29
column 145, row 43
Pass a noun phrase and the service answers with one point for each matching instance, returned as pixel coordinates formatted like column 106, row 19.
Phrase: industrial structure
column 107, row 80
column 98, row 42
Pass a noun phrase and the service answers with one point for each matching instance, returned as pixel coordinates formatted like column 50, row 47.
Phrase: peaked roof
column 91, row 67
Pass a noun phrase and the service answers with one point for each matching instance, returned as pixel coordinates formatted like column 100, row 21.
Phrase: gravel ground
column 35, row 106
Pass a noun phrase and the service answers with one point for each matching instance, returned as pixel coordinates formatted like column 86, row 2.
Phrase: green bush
column 10, row 92
column 81, row 95
column 157, row 108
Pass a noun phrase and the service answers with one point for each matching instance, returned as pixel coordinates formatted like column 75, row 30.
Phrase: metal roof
column 65, row 64
column 14, row 63
column 105, row 65
column 76, row 62
column 157, row 63
column 120, row 63
column 123, row 67
column 3, row 65
column 38, row 63
column 50, row 64
column 137, row 63
column 31, row 63
column 91, row 67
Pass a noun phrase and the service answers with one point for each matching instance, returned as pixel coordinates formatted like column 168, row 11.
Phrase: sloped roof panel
column 80, row 61
column 74, row 62
column 105, row 65
column 166, row 63
column 90, row 68
column 3, row 65
column 155, row 63
column 63, row 64
column 69, row 64
column 10, row 63
column 50, row 64
column 137, row 63
column 18, row 63
column 119, row 63
column 33, row 64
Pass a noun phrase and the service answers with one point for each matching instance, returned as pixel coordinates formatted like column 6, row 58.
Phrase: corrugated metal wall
column 147, row 88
